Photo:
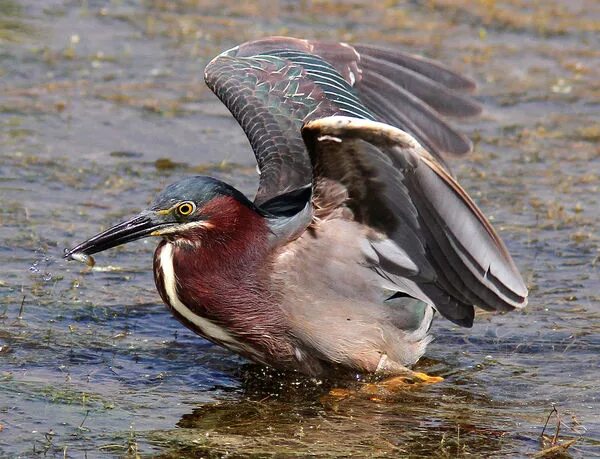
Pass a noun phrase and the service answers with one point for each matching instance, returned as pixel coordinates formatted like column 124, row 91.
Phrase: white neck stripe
column 206, row 327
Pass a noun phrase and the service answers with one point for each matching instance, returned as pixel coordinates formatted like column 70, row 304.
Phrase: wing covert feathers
column 274, row 85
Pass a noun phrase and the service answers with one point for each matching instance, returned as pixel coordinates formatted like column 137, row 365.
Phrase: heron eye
column 186, row 208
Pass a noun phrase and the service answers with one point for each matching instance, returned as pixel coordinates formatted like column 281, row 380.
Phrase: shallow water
column 102, row 103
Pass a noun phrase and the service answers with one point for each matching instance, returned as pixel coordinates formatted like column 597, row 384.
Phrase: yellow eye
column 186, row 208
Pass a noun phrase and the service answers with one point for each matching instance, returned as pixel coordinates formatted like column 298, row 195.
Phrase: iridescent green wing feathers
column 274, row 85
column 327, row 78
column 271, row 97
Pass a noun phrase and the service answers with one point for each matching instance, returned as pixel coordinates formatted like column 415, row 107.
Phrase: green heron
column 358, row 232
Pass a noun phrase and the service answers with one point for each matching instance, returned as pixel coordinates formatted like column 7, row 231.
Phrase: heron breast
column 199, row 324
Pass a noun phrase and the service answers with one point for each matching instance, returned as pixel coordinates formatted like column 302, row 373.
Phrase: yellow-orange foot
column 411, row 380
column 424, row 378
column 383, row 389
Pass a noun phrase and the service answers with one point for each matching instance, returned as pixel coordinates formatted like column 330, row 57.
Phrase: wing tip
column 431, row 68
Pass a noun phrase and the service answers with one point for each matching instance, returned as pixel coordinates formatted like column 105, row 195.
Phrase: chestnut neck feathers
column 222, row 273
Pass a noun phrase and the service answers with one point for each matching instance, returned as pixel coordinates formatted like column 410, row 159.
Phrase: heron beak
column 138, row 227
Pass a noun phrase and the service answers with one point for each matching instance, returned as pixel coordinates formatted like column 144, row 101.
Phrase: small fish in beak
column 80, row 257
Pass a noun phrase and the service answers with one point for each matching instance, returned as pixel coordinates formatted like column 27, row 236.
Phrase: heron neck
column 224, row 278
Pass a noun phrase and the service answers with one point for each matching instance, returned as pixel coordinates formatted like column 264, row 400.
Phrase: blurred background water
column 102, row 103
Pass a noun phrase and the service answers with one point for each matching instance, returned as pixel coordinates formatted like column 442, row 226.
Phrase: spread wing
column 431, row 240
column 274, row 85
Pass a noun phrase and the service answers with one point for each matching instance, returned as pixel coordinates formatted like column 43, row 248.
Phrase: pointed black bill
column 136, row 228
